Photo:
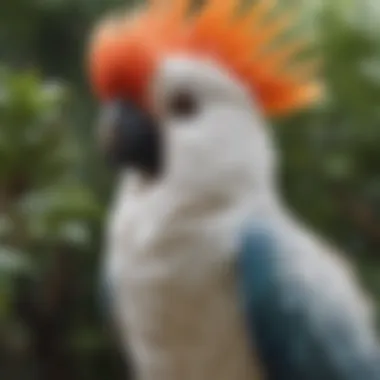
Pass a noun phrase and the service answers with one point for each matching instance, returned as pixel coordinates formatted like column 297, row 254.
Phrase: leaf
column 75, row 233
column 13, row 261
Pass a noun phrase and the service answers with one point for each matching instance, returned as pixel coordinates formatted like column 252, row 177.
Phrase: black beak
column 130, row 137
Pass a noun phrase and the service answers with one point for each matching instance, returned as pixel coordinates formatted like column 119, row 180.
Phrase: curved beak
column 130, row 137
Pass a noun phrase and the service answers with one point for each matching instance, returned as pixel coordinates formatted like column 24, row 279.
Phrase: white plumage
column 175, row 287
column 172, row 245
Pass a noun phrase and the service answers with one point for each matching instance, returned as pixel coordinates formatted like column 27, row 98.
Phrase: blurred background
column 54, row 189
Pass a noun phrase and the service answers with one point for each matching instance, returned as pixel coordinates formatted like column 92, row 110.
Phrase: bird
column 210, row 274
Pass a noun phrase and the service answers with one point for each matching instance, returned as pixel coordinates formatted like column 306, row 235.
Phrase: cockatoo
column 211, row 275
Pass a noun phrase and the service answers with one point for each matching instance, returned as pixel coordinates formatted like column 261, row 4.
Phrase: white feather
column 171, row 245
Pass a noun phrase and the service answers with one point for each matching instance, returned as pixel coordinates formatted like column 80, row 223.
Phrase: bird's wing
column 300, row 331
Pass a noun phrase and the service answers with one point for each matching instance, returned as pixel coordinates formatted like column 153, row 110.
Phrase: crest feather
column 125, row 51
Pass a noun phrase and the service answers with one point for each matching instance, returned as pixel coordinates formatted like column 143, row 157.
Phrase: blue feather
column 292, row 343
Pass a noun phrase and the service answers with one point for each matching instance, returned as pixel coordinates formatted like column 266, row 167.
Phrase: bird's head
column 186, row 92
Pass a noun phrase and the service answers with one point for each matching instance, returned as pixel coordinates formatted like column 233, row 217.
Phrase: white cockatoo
column 211, row 276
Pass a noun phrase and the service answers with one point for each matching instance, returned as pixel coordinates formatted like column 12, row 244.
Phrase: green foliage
column 54, row 191
column 38, row 179
column 47, row 212
column 331, row 154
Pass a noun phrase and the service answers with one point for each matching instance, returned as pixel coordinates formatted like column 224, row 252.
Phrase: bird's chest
column 178, row 304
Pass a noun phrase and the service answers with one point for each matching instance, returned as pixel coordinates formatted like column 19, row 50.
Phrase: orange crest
column 126, row 50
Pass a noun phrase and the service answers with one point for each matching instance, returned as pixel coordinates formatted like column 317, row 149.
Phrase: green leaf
column 13, row 261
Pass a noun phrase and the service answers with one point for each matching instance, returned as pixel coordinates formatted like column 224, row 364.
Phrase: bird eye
column 183, row 105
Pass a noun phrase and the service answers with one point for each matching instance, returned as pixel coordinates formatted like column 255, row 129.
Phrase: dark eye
column 183, row 105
